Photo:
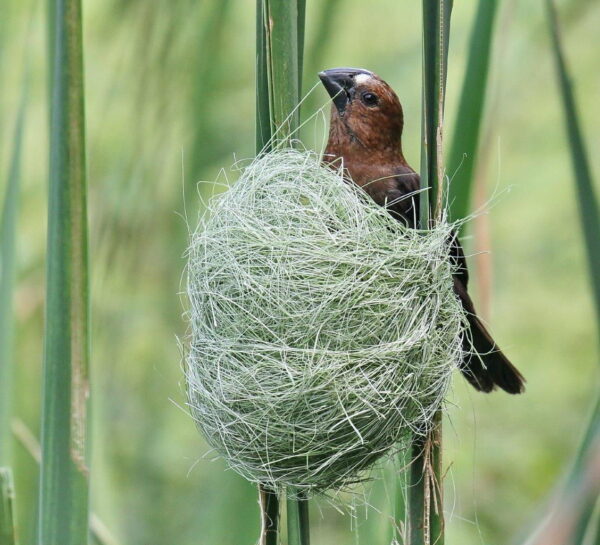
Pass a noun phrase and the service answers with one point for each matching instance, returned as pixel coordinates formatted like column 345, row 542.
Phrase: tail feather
column 485, row 366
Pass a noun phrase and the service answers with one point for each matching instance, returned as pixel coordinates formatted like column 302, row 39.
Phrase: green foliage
column 63, row 516
column 578, row 496
column 154, row 481
column 297, row 519
column 8, row 224
column 280, row 40
column 206, row 72
column 589, row 213
column 8, row 532
column 264, row 130
column 466, row 130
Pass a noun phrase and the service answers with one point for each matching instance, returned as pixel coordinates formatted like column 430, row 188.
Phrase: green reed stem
column 462, row 158
column 297, row 519
column 400, row 506
column 280, row 38
column 426, row 518
column 8, row 232
column 8, row 531
column 279, row 53
column 263, row 110
column 63, row 510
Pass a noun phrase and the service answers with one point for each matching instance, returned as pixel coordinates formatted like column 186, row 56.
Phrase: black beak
column 339, row 83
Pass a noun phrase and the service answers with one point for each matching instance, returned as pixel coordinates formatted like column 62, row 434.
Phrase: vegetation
column 160, row 79
column 63, row 511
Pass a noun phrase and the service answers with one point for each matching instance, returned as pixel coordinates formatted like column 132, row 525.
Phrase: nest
column 323, row 332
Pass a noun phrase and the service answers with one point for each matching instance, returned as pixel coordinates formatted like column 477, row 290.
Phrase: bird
column 365, row 136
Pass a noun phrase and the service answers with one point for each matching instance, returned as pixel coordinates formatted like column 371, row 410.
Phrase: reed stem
column 426, row 519
column 8, row 233
column 269, row 507
column 279, row 54
column 297, row 519
column 8, row 532
column 63, row 509
column 400, row 508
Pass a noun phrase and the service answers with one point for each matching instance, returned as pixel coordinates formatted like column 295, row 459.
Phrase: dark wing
column 403, row 204
column 403, row 197
column 484, row 364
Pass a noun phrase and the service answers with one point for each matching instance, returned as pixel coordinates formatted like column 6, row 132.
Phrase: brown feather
column 366, row 139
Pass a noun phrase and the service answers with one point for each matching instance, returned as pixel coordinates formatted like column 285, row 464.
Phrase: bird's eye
column 370, row 99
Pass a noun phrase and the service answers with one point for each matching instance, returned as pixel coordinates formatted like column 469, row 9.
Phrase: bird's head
column 366, row 112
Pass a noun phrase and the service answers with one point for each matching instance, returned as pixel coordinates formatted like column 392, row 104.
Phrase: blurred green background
column 170, row 102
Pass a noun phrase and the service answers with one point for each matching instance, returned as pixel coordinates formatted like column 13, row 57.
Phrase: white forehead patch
column 362, row 78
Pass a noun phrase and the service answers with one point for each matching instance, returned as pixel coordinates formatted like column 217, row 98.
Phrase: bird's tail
column 484, row 365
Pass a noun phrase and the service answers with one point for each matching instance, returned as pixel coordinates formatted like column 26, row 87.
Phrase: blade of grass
column 425, row 495
column 4, row 18
column 426, row 518
column 297, row 519
column 590, row 223
column 50, row 44
column 587, row 200
column 99, row 530
column 286, row 53
column 63, row 515
column 576, row 511
column 571, row 512
column 8, row 223
column 8, row 532
column 588, row 525
column 462, row 158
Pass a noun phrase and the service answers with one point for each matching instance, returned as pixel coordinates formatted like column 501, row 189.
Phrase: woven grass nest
column 323, row 332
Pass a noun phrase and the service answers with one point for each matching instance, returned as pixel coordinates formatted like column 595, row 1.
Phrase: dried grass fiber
column 323, row 332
